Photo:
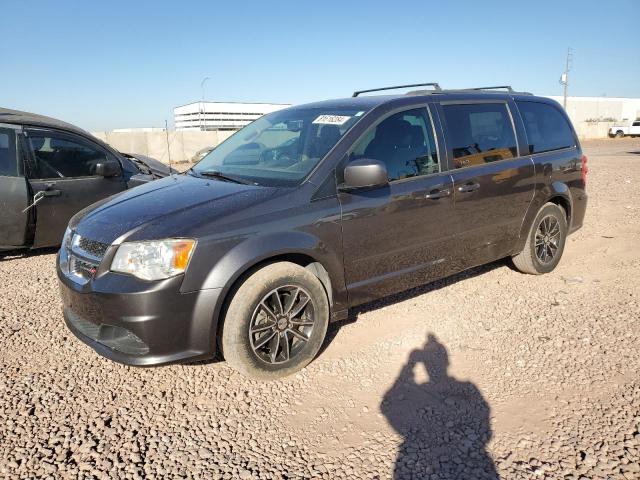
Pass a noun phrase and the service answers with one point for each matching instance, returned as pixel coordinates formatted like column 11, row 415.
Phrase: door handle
column 40, row 195
column 36, row 199
column 435, row 194
column 468, row 187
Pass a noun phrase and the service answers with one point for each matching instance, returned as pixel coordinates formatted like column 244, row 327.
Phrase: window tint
column 480, row 133
column 58, row 156
column 8, row 157
column 547, row 129
column 404, row 142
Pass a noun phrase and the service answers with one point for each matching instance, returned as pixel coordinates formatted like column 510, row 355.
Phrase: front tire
column 276, row 322
column 545, row 242
column 619, row 134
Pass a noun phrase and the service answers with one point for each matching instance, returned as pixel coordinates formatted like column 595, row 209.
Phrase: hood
column 158, row 169
column 172, row 206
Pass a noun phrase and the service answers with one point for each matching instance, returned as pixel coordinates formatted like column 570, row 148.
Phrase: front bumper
column 141, row 323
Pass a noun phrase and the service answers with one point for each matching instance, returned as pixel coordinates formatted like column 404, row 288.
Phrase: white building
column 138, row 130
column 220, row 115
column 601, row 109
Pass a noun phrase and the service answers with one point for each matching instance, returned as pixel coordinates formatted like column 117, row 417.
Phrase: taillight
column 584, row 169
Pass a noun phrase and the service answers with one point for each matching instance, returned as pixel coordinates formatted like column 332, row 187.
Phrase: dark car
column 50, row 170
column 338, row 203
column 200, row 154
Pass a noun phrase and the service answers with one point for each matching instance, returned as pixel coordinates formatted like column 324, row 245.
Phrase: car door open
column 14, row 193
column 66, row 174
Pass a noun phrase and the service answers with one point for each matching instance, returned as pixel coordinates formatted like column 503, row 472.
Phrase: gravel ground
column 487, row 374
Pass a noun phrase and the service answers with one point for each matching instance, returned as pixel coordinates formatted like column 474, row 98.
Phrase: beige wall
column 183, row 144
column 587, row 130
column 619, row 109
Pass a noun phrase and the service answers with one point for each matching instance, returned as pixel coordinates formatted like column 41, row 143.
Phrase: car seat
column 392, row 145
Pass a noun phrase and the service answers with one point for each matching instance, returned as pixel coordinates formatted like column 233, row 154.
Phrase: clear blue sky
column 105, row 65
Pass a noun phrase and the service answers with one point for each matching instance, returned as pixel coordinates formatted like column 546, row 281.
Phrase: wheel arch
column 300, row 248
column 299, row 258
column 565, row 203
column 557, row 193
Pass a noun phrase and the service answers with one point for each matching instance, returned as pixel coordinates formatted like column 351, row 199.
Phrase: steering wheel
column 284, row 159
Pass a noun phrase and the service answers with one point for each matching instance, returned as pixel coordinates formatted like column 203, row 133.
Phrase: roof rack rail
column 499, row 87
column 434, row 85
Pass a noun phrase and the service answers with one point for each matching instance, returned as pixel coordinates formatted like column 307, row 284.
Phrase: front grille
column 82, row 269
column 84, row 258
column 116, row 338
column 93, row 247
column 85, row 327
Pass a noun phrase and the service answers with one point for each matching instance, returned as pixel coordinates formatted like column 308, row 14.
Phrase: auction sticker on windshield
column 331, row 119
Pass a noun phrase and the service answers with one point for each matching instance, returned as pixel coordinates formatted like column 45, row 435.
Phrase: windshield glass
column 281, row 148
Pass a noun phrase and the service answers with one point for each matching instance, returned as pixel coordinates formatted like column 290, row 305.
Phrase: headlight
column 153, row 260
column 66, row 240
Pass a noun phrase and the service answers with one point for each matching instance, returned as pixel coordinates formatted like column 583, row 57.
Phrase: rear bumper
column 578, row 211
column 141, row 323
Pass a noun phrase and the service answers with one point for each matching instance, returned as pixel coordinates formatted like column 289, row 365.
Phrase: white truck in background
column 621, row 131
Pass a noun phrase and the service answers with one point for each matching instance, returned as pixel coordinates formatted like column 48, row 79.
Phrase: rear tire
column 276, row 322
column 545, row 242
column 619, row 134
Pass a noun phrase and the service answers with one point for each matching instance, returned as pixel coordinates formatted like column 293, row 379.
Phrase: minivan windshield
column 279, row 149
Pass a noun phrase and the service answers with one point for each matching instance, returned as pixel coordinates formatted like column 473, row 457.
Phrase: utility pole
column 203, row 116
column 564, row 78
column 166, row 131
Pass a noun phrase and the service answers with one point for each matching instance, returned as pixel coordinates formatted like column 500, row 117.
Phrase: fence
column 184, row 144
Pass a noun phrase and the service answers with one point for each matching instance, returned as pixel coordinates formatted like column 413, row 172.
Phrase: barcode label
column 331, row 119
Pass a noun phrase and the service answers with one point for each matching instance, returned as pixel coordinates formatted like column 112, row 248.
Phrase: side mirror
column 365, row 173
column 108, row 168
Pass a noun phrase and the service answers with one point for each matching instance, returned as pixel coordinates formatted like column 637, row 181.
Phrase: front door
column 14, row 194
column 63, row 168
column 395, row 237
column 493, row 185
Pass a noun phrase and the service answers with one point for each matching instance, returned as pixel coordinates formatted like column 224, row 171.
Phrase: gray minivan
column 316, row 208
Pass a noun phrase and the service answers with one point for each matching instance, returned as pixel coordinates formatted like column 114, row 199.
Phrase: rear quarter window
column 480, row 133
column 546, row 127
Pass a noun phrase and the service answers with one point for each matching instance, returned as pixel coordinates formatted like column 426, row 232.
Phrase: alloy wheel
column 547, row 239
column 281, row 324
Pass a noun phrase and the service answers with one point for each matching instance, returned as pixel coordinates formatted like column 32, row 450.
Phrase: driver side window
column 8, row 157
column 404, row 142
column 61, row 156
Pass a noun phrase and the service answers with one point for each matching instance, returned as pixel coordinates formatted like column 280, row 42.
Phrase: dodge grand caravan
column 314, row 209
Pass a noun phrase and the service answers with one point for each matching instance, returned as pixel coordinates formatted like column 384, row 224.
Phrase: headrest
column 36, row 142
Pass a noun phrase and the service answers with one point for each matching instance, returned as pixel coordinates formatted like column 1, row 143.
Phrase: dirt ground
column 488, row 374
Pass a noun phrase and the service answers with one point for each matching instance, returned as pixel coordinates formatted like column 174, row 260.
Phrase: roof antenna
column 166, row 131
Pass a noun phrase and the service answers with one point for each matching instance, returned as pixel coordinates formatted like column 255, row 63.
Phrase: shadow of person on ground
column 444, row 422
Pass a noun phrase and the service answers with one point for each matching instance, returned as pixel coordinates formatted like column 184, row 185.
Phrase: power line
column 564, row 78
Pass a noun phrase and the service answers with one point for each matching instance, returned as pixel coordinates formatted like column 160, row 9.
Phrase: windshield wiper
column 225, row 177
